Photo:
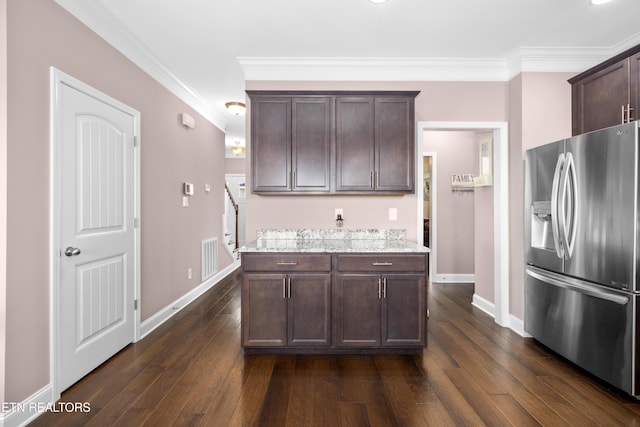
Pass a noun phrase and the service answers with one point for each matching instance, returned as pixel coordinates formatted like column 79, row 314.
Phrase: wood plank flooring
column 191, row 372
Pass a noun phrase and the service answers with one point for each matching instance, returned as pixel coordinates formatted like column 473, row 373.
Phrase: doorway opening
column 499, row 308
column 95, row 210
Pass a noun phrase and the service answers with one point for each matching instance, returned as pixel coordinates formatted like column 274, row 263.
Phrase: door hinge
column 136, row 222
column 135, row 304
column 135, row 141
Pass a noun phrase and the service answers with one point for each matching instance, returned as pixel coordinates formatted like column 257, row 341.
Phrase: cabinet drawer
column 286, row 262
column 382, row 262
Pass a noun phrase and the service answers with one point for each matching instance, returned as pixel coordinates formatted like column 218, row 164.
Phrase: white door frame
column 58, row 78
column 500, row 203
column 433, row 202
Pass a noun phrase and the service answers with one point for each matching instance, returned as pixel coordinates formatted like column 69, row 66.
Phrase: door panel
column 394, row 144
column 605, row 163
column 309, row 310
column 96, row 225
column 403, row 314
column 264, row 308
column 311, row 144
column 271, row 144
column 354, row 143
column 599, row 98
column 358, row 318
column 588, row 324
column 539, row 242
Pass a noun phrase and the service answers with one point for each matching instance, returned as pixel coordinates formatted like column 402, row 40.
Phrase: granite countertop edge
column 334, row 246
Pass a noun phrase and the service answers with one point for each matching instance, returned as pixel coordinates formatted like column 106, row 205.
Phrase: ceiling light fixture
column 235, row 108
column 598, row 2
column 378, row 1
column 237, row 149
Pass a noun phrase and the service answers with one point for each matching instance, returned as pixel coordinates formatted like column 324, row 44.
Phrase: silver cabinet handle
column 286, row 287
column 70, row 251
column 379, row 287
column 622, row 119
column 287, row 263
column 381, row 263
column 384, row 287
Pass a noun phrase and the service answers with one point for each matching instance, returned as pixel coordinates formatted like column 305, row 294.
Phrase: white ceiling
column 203, row 50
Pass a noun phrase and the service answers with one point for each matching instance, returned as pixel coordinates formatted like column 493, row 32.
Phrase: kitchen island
column 334, row 292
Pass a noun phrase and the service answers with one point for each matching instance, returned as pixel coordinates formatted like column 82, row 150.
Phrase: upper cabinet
column 332, row 142
column 606, row 94
column 375, row 144
column 291, row 144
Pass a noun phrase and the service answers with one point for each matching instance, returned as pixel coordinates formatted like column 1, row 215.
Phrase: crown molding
column 373, row 69
column 524, row 59
column 103, row 23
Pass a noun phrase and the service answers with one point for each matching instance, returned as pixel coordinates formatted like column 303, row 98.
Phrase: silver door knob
column 72, row 251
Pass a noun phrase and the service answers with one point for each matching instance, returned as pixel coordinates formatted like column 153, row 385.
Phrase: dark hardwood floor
column 191, row 372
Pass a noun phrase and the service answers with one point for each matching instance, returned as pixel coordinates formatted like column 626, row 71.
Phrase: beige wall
column 3, row 192
column 455, row 216
column 438, row 101
column 539, row 112
column 41, row 34
column 483, row 229
column 235, row 165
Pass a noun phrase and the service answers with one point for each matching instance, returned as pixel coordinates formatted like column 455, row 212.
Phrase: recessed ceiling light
column 378, row 1
column 597, row 2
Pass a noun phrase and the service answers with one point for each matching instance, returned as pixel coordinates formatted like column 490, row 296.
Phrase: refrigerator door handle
column 587, row 289
column 568, row 219
column 555, row 218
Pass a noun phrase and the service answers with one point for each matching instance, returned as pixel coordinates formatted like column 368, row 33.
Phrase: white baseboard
column 21, row 413
column 484, row 305
column 166, row 313
column 515, row 324
column 454, row 278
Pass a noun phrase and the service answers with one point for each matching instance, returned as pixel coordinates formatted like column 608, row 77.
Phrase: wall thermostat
column 188, row 188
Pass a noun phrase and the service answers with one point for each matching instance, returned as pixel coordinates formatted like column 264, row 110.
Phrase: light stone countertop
column 333, row 241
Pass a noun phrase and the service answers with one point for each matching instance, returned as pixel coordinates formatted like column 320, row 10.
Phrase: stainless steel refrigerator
column 582, row 251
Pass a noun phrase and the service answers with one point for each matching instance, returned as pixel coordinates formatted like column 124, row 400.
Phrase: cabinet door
column 271, row 144
column 358, row 311
column 311, row 144
column 598, row 99
column 354, row 143
column 403, row 310
column 394, row 144
column 634, row 77
column 309, row 307
column 264, row 310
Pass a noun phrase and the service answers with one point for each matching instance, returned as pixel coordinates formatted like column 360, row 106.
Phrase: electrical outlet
column 338, row 211
column 189, row 273
column 185, row 201
column 393, row 214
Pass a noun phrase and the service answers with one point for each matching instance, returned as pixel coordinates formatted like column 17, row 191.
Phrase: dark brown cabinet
column 383, row 307
column 607, row 94
column 286, row 308
column 375, row 144
column 332, row 142
column 341, row 303
column 291, row 144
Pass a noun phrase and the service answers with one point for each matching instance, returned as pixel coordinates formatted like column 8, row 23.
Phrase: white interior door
column 96, row 237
